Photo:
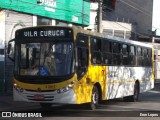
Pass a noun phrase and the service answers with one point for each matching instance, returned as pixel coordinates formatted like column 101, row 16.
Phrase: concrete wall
column 118, row 29
column 2, row 28
column 116, row 25
column 93, row 14
column 13, row 21
column 2, row 41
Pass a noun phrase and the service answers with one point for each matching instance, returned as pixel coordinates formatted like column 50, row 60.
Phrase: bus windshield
column 45, row 59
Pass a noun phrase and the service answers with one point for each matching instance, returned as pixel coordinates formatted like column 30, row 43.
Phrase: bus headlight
column 71, row 84
column 64, row 89
column 17, row 88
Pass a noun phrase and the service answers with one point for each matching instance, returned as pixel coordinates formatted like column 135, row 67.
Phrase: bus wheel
column 135, row 96
column 46, row 105
column 94, row 98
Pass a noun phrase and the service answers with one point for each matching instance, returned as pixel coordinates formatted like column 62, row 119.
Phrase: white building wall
column 118, row 29
column 34, row 20
column 2, row 29
column 16, row 21
column 93, row 15
column 137, row 12
column 116, row 25
column 13, row 21
column 111, row 25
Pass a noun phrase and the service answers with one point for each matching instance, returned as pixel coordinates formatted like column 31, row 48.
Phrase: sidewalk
column 7, row 103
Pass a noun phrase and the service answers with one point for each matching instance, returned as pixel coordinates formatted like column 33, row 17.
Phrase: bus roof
column 113, row 38
column 91, row 33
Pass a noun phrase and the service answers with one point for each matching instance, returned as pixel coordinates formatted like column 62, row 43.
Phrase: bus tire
column 94, row 98
column 135, row 96
column 46, row 105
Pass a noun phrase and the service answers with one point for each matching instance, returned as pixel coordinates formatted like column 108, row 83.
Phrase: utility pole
column 99, row 16
column 83, row 14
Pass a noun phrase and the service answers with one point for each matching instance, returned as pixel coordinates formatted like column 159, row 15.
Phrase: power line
column 125, row 27
column 135, row 8
column 77, row 5
column 131, row 1
column 149, row 15
column 116, row 18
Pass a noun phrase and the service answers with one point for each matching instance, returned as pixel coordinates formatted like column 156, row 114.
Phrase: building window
column 128, row 35
column 59, row 23
column 119, row 33
column 43, row 21
column 108, row 32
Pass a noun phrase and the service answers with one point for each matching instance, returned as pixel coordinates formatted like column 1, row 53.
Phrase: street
column 148, row 106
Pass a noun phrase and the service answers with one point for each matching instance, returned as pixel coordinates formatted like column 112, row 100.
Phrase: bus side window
column 82, row 57
column 107, row 52
column 145, row 55
column 125, row 54
column 132, row 53
column 116, row 53
column 82, row 54
column 139, row 56
column 96, row 49
column 149, row 57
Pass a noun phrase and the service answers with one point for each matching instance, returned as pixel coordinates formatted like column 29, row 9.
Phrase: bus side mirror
column 10, row 50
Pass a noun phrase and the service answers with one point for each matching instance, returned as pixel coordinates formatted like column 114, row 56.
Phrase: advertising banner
column 76, row 11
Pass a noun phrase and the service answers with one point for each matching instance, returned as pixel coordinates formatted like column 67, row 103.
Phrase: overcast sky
column 156, row 16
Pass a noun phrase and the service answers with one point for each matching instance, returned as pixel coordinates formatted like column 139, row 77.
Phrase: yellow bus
column 67, row 65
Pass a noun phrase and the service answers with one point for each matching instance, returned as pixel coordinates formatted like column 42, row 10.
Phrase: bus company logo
column 6, row 114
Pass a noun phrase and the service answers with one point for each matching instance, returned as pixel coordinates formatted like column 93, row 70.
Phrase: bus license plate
column 39, row 97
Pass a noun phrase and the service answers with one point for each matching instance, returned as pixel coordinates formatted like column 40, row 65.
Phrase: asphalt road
column 148, row 107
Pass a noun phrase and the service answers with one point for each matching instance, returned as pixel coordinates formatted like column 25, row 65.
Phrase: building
column 123, row 29
column 26, row 13
column 118, row 29
column 93, row 17
column 135, row 12
column 140, row 17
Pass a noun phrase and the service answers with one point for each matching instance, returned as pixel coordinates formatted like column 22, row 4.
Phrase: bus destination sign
column 43, row 33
